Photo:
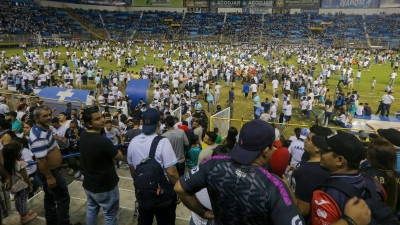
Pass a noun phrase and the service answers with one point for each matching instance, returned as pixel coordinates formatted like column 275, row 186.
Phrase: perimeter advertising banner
column 389, row 4
column 105, row 2
column 158, row 3
column 310, row 11
column 196, row 3
column 347, row 4
column 297, row 3
column 242, row 4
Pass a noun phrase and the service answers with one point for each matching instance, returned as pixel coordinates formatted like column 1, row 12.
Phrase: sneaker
column 82, row 177
column 70, row 171
column 77, row 174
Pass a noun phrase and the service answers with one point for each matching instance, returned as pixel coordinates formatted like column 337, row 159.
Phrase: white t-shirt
column 288, row 111
column 217, row 88
column 90, row 100
column 253, row 87
column 139, row 149
column 296, row 149
column 273, row 111
column 275, row 83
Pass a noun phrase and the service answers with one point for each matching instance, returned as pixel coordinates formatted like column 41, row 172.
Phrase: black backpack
column 152, row 188
column 380, row 213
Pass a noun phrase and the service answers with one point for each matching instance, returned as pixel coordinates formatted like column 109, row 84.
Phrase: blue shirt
column 259, row 110
column 246, row 88
column 41, row 141
column 231, row 96
column 301, row 89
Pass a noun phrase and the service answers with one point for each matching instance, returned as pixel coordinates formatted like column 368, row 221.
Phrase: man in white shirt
column 360, row 109
column 275, row 83
column 392, row 77
column 217, row 89
column 90, row 99
column 253, row 87
column 272, row 111
column 157, row 93
column 139, row 148
column 388, row 99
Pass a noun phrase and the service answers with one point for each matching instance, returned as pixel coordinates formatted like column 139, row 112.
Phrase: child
column 194, row 151
column 16, row 168
column 27, row 156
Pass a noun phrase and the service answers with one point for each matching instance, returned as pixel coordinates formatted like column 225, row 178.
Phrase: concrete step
column 78, row 204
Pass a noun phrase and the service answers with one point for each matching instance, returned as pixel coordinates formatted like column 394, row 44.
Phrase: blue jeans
column 109, row 201
column 272, row 119
column 208, row 105
column 56, row 200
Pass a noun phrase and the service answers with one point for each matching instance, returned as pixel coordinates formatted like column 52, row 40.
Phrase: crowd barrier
column 287, row 130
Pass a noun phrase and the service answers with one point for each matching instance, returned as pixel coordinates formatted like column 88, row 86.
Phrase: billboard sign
column 158, row 3
column 242, row 4
column 257, row 4
column 225, row 4
column 297, row 3
column 310, row 11
column 280, row 11
column 389, row 4
column 350, row 4
column 197, row 3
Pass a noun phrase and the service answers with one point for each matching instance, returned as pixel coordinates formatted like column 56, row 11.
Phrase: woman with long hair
column 230, row 140
column 382, row 158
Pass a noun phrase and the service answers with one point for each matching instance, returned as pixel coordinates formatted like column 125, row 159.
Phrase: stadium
column 148, row 39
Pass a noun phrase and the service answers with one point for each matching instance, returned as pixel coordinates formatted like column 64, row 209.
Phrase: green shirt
column 17, row 125
column 218, row 140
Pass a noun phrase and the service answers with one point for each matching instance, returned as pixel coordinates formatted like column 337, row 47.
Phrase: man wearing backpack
column 154, row 191
column 341, row 154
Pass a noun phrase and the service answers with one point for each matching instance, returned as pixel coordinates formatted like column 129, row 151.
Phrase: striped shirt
column 41, row 141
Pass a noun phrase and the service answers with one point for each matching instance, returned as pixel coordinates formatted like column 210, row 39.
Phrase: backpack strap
column 370, row 185
column 154, row 144
column 342, row 186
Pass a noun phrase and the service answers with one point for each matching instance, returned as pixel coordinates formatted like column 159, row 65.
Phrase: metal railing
column 287, row 130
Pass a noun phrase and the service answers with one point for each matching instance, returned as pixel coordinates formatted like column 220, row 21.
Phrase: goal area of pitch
column 221, row 120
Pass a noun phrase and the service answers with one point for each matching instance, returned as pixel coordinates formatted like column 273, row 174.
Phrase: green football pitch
column 245, row 109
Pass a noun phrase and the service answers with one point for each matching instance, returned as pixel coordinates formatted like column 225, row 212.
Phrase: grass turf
column 245, row 109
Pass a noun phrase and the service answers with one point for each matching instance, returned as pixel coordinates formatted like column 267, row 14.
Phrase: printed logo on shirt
column 321, row 202
column 195, row 170
column 322, row 213
column 296, row 220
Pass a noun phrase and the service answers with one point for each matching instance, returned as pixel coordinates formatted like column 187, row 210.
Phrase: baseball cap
column 304, row 133
column 11, row 113
column 392, row 135
column 150, row 117
column 342, row 143
column 254, row 137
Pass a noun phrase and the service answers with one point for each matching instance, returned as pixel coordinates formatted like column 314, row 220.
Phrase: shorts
column 32, row 82
column 288, row 118
column 246, row 94
column 97, row 85
column 84, row 82
column 337, row 107
column 321, row 98
column 90, row 78
column 304, row 112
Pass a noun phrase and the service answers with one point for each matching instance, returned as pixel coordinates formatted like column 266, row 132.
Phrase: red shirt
column 279, row 161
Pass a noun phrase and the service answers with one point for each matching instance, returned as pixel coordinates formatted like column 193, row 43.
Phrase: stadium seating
column 44, row 21
column 295, row 27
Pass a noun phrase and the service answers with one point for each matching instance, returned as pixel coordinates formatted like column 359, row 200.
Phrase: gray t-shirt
column 130, row 134
column 113, row 135
column 178, row 139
